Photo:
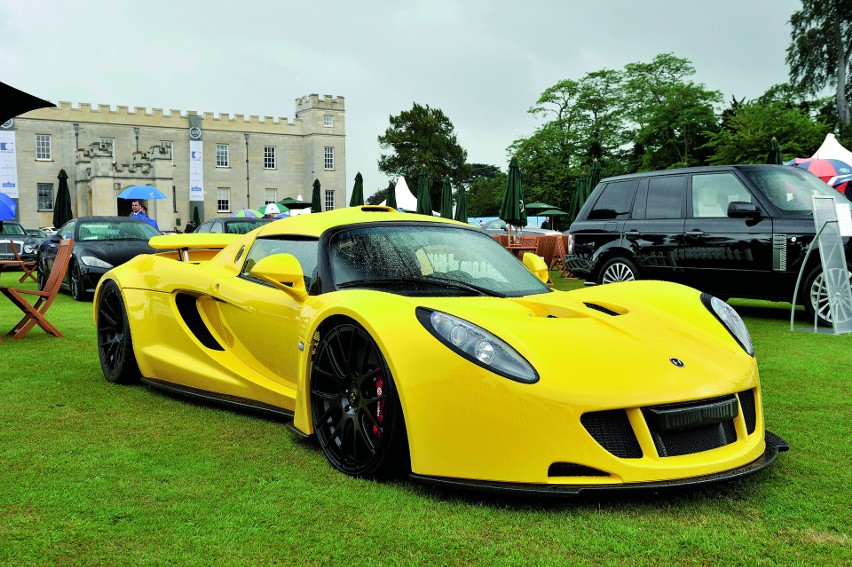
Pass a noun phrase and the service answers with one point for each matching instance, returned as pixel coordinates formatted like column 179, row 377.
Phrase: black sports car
column 100, row 243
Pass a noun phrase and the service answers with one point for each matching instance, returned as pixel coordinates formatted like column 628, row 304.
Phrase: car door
column 725, row 254
column 655, row 228
column 264, row 322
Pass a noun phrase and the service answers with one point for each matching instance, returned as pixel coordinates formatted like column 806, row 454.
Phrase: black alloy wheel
column 115, row 347
column 76, row 282
column 42, row 272
column 618, row 269
column 356, row 412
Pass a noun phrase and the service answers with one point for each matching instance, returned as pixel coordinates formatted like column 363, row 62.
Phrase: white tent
column 831, row 149
column 405, row 199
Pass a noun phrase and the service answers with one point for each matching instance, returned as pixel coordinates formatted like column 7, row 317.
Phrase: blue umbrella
column 7, row 207
column 141, row 192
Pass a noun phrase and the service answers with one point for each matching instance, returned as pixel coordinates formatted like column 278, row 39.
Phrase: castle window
column 329, row 200
column 268, row 157
column 168, row 147
column 222, row 157
column 329, row 157
column 45, row 196
column 271, row 195
column 223, row 200
column 42, row 147
column 328, row 121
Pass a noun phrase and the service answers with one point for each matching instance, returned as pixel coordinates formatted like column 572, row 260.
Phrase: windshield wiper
column 442, row 282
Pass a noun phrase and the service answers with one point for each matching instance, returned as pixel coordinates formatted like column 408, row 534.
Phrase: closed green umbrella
column 316, row 199
column 357, row 198
column 461, row 205
column 391, row 200
column 446, row 198
column 196, row 220
column 774, row 156
column 512, row 208
column 62, row 208
column 594, row 176
column 579, row 198
column 424, row 199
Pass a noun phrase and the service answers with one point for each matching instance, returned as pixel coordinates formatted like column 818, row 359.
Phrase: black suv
column 733, row 231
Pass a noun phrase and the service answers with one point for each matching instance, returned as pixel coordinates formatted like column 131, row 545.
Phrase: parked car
column 13, row 234
column 231, row 225
column 415, row 345
column 733, row 231
column 500, row 227
column 36, row 233
column 100, row 243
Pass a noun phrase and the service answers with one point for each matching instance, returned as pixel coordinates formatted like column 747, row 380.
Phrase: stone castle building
column 218, row 164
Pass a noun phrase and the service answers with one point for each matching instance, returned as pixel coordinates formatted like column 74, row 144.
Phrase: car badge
column 677, row 362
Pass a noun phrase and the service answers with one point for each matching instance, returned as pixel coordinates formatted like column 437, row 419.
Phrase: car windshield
column 791, row 189
column 428, row 261
column 116, row 231
column 12, row 228
column 243, row 226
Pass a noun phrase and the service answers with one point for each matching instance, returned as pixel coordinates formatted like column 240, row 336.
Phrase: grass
column 92, row 473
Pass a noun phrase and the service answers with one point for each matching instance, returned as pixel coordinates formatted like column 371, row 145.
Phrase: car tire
column 115, row 346
column 75, row 281
column 618, row 269
column 357, row 416
column 42, row 273
column 815, row 296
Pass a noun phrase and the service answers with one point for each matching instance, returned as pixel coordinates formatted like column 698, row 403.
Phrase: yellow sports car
column 414, row 345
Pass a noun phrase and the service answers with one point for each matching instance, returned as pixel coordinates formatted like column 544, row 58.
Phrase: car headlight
column 477, row 345
column 95, row 262
column 29, row 249
column 732, row 321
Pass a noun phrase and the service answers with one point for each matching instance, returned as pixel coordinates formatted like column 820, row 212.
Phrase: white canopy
column 405, row 199
column 831, row 149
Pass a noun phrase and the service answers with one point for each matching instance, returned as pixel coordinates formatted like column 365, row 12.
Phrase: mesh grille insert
column 612, row 430
column 749, row 410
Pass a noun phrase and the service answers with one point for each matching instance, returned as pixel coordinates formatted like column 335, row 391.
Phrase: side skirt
column 243, row 403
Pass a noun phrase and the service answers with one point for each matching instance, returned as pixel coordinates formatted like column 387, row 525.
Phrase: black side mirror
column 56, row 238
column 742, row 210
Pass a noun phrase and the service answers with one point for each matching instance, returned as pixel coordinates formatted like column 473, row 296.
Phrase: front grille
column 692, row 427
column 676, row 429
column 612, row 430
column 6, row 249
column 749, row 411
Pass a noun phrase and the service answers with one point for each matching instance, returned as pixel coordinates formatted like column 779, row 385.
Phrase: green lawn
column 92, row 473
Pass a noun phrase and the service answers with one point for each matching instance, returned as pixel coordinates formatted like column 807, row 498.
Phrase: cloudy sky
column 483, row 62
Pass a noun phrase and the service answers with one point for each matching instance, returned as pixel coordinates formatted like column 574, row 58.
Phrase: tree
column 485, row 194
column 821, row 49
column 671, row 115
column 749, row 126
column 423, row 136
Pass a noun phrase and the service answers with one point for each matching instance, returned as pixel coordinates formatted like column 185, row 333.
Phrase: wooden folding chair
column 34, row 313
column 558, row 262
column 544, row 247
column 26, row 265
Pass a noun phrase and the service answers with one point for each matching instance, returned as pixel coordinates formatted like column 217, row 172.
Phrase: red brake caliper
column 380, row 405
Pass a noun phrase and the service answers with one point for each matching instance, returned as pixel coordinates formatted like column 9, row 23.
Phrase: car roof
column 314, row 224
column 703, row 169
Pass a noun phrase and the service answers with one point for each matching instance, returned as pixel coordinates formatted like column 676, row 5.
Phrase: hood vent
column 601, row 308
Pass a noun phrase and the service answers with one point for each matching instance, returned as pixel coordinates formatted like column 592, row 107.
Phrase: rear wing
column 192, row 247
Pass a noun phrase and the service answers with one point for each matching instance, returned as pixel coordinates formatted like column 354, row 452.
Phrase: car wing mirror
column 56, row 238
column 282, row 271
column 536, row 265
column 742, row 209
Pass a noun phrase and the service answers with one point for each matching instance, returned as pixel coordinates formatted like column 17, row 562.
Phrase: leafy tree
column 821, row 50
column 423, row 136
column 672, row 115
column 746, row 132
column 485, row 194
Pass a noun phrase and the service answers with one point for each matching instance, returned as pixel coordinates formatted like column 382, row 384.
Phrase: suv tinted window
column 615, row 201
column 666, row 197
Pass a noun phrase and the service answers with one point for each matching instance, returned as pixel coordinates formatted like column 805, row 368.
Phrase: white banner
column 196, row 171
column 8, row 164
